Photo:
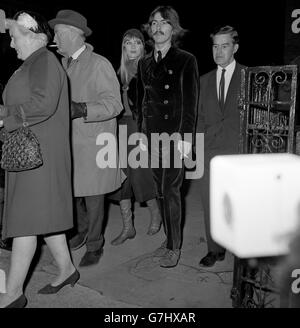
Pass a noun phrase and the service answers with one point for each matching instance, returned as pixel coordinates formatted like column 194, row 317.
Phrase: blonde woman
column 139, row 183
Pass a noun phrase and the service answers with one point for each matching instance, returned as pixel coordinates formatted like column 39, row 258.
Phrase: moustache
column 159, row 32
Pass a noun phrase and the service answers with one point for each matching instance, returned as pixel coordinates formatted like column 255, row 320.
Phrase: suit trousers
column 168, row 182
column 212, row 246
column 90, row 217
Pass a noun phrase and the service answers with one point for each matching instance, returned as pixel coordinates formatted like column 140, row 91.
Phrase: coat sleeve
column 190, row 96
column 45, row 82
column 108, row 104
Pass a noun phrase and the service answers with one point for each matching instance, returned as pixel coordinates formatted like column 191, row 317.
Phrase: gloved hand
column 3, row 111
column 78, row 110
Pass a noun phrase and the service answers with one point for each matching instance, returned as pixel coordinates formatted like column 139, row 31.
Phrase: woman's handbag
column 21, row 149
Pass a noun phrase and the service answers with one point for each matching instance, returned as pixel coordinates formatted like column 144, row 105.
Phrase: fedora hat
column 73, row 18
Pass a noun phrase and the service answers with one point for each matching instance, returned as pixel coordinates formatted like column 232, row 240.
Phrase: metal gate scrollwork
column 268, row 124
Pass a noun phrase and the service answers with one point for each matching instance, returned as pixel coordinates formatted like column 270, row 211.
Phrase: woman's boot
column 156, row 220
column 128, row 231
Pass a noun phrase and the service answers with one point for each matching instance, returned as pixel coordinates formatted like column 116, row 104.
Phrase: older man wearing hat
column 96, row 102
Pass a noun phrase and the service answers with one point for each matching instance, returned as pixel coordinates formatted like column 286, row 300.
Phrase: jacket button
column 166, row 116
column 167, row 86
column 166, row 102
column 170, row 71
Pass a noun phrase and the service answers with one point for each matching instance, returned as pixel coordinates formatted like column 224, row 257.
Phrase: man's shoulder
column 99, row 58
column 146, row 57
column 184, row 53
column 178, row 54
column 206, row 76
column 240, row 66
column 92, row 57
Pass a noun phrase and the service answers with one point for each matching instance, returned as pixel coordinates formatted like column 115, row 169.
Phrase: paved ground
column 127, row 276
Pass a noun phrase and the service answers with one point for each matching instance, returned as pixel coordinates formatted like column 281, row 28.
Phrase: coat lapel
column 234, row 85
column 213, row 87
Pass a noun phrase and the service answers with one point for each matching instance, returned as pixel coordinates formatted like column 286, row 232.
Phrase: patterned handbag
column 21, row 149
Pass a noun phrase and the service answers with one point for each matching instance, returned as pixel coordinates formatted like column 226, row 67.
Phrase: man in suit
column 218, row 119
column 167, row 101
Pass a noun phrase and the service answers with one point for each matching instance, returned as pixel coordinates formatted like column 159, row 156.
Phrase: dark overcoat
column 39, row 201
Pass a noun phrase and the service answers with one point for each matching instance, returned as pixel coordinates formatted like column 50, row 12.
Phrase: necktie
column 222, row 89
column 69, row 61
column 159, row 56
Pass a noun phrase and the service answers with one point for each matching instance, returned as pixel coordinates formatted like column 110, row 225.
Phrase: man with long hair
column 168, row 87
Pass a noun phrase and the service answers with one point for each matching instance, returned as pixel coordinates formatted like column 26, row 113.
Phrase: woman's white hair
column 11, row 24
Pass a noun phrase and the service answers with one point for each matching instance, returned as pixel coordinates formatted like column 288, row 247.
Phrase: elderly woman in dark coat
column 38, row 201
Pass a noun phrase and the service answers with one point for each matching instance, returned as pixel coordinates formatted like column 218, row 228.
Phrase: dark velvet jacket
column 167, row 93
column 220, row 127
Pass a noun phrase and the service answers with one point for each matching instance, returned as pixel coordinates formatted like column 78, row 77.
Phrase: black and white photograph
column 150, row 157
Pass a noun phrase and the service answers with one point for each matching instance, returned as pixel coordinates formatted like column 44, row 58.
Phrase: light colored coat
column 94, row 81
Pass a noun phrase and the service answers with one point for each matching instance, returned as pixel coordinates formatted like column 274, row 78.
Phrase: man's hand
column 78, row 110
column 184, row 148
column 142, row 145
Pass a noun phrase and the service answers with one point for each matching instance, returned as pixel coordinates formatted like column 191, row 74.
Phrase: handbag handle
column 25, row 123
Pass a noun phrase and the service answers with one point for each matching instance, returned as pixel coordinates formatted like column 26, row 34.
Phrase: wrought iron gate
column 268, row 124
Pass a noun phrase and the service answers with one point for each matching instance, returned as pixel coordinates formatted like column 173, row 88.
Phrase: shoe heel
column 75, row 279
column 48, row 289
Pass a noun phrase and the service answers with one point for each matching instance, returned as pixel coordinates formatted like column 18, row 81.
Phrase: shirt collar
column 229, row 68
column 164, row 50
column 77, row 53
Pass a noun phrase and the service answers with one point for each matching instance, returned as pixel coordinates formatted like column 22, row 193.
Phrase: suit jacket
column 220, row 127
column 167, row 97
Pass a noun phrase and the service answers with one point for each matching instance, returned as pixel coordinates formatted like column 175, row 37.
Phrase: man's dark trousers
column 90, row 217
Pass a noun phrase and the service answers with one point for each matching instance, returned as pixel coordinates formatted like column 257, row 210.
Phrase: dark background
column 261, row 26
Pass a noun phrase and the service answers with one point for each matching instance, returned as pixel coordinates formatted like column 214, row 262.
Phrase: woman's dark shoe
column 19, row 303
column 48, row 289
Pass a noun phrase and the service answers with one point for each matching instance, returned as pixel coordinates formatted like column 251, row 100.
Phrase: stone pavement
column 127, row 275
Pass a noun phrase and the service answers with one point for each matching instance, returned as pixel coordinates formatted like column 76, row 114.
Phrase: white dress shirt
column 78, row 52
column 228, row 75
column 163, row 51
